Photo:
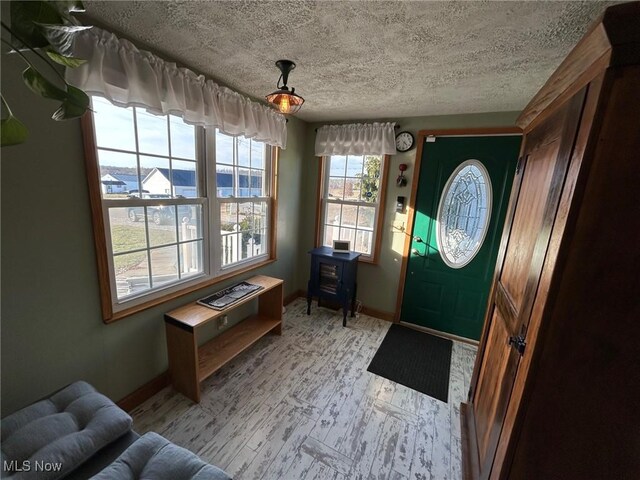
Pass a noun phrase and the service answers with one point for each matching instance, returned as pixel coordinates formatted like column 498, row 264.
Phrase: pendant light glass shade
column 285, row 100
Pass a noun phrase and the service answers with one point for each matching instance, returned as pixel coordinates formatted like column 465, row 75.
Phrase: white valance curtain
column 356, row 139
column 126, row 76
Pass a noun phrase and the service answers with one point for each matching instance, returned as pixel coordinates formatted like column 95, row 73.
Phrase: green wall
column 377, row 284
column 52, row 331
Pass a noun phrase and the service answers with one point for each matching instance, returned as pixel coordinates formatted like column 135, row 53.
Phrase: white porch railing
column 191, row 258
column 232, row 248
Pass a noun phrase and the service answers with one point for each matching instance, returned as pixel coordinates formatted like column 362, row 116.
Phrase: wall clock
column 404, row 141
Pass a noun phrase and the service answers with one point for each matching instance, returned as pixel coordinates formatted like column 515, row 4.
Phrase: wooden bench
column 190, row 364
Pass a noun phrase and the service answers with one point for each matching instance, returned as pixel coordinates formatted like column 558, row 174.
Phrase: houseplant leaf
column 65, row 8
column 25, row 15
column 12, row 131
column 40, row 85
column 73, row 106
column 60, row 37
column 71, row 62
column 70, row 5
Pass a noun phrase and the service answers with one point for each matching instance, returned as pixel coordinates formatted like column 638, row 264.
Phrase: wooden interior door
column 539, row 181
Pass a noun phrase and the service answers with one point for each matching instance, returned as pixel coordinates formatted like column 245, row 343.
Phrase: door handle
column 518, row 343
column 417, row 253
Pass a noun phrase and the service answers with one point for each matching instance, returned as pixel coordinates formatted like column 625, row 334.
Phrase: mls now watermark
column 14, row 466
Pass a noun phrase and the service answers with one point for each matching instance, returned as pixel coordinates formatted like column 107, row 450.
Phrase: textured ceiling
column 364, row 59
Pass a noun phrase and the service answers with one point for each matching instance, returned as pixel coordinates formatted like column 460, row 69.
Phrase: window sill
column 369, row 260
column 361, row 259
column 115, row 316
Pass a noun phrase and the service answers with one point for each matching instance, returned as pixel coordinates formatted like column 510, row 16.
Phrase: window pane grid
column 155, row 198
column 155, row 247
column 153, row 167
column 163, row 265
column 243, row 230
column 147, row 236
column 351, row 200
column 243, row 197
column 136, row 202
column 140, row 188
column 240, row 167
column 191, row 255
column 118, row 150
column 154, row 273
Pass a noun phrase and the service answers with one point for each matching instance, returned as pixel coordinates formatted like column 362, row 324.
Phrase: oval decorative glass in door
column 464, row 213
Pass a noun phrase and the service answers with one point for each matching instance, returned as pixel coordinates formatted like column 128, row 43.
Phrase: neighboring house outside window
column 175, row 182
column 118, row 183
column 352, row 202
column 168, row 226
column 111, row 184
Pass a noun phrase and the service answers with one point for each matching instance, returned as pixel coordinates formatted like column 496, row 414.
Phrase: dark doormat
column 416, row 360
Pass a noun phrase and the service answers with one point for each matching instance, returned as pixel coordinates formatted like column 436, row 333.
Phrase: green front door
column 456, row 236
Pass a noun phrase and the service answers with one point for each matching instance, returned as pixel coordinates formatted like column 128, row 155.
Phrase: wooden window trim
column 99, row 233
column 373, row 259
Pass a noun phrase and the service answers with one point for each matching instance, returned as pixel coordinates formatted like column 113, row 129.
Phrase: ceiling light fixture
column 285, row 100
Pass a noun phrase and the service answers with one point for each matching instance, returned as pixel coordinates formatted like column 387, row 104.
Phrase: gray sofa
column 78, row 433
column 153, row 456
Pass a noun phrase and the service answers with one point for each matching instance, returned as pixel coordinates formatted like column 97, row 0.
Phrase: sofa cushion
column 154, row 457
column 50, row 438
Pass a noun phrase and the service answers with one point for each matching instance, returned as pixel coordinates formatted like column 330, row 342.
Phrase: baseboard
column 372, row 312
column 152, row 387
column 470, row 460
column 290, row 298
column 145, row 392
column 382, row 315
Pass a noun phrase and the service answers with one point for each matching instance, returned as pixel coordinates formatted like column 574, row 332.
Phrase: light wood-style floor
column 303, row 406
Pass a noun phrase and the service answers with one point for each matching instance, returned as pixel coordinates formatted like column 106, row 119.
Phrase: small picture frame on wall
column 341, row 246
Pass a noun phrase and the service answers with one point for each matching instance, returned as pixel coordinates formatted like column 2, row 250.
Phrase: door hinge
column 519, row 166
column 518, row 343
column 470, row 394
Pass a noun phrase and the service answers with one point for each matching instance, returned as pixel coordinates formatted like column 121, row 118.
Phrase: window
column 243, row 198
column 352, row 199
column 464, row 213
column 166, row 224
